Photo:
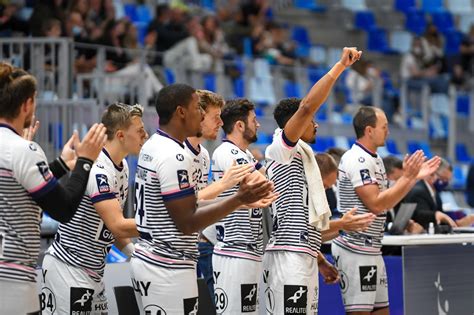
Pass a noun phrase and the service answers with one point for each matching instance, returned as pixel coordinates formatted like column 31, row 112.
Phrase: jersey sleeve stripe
column 178, row 195
column 258, row 166
column 287, row 142
column 43, row 189
column 101, row 197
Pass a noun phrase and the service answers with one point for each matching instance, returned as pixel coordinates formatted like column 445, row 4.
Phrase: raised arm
column 318, row 94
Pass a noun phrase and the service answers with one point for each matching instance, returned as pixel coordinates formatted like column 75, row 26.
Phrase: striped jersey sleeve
column 163, row 174
column 240, row 233
column 359, row 167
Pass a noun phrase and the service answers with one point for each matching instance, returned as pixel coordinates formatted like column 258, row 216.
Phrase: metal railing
column 48, row 59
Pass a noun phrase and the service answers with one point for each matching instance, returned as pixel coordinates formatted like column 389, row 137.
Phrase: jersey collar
column 164, row 134
column 118, row 168
column 365, row 149
column 2, row 125
column 191, row 148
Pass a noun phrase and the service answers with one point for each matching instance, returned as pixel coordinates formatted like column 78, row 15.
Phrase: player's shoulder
column 25, row 149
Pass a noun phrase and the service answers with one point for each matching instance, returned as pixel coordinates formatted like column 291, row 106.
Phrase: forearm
column 127, row 228
column 211, row 213
column 58, row 167
column 334, row 227
column 212, row 191
column 121, row 243
column 392, row 196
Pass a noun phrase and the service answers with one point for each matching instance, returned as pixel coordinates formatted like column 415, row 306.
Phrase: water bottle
column 431, row 230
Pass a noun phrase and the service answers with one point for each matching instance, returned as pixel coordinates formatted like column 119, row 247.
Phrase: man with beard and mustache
column 238, row 253
column 28, row 185
column 163, row 265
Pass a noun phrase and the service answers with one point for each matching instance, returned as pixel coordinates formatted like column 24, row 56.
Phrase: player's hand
column 356, row 222
column 265, row 202
column 349, row 56
column 444, row 218
column 429, row 167
column 414, row 228
column 68, row 154
column 29, row 133
column 328, row 271
column 92, row 143
column 412, row 164
column 235, row 174
column 254, row 189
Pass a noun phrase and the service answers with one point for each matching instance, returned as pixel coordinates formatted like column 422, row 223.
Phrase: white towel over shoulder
column 318, row 207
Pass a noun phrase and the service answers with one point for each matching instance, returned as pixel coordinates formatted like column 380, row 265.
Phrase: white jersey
column 200, row 164
column 240, row 233
column 24, row 175
column 163, row 174
column 85, row 240
column 359, row 167
column 291, row 229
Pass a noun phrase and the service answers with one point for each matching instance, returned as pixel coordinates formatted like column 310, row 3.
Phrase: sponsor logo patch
column 152, row 309
column 365, row 176
column 43, row 168
column 191, row 306
column 183, row 179
column 102, row 183
column 295, row 299
column 368, row 278
column 81, row 300
column 248, row 294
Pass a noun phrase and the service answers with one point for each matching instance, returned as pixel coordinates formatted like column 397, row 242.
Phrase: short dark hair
column 16, row 87
column 285, row 109
column 336, row 153
column 391, row 163
column 365, row 116
column 170, row 97
column 235, row 110
column 326, row 164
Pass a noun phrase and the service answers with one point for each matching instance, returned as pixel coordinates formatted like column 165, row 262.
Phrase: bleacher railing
column 48, row 59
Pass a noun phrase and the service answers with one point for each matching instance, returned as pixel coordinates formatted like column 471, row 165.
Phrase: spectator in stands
column 433, row 48
column 417, row 73
column 80, row 6
column 116, row 57
column 465, row 69
column 213, row 40
column 280, row 49
column 470, row 185
column 45, row 10
column 168, row 32
column 187, row 53
column 426, row 194
column 9, row 23
column 362, row 80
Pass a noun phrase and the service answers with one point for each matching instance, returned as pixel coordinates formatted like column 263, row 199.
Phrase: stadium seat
column 131, row 11
column 462, row 104
column 404, row 5
column 459, row 176
column 292, row 89
column 354, row 5
column 392, row 147
column 364, row 20
column 169, row 76
column 247, row 43
column 264, row 139
column 415, row 21
column 430, row 6
column 453, row 40
column 322, row 144
column 341, row 142
column 316, row 73
column 143, row 14
column 208, row 4
column 311, row 5
column 400, row 41
column 459, row 6
column 443, row 20
column 209, row 80
column 239, row 87
column 300, row 35
column 377, row 40
column 462, row 153
column 414, row 145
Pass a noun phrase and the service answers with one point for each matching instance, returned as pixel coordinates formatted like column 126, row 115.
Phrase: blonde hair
column 119, row 116
column 209, row 99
